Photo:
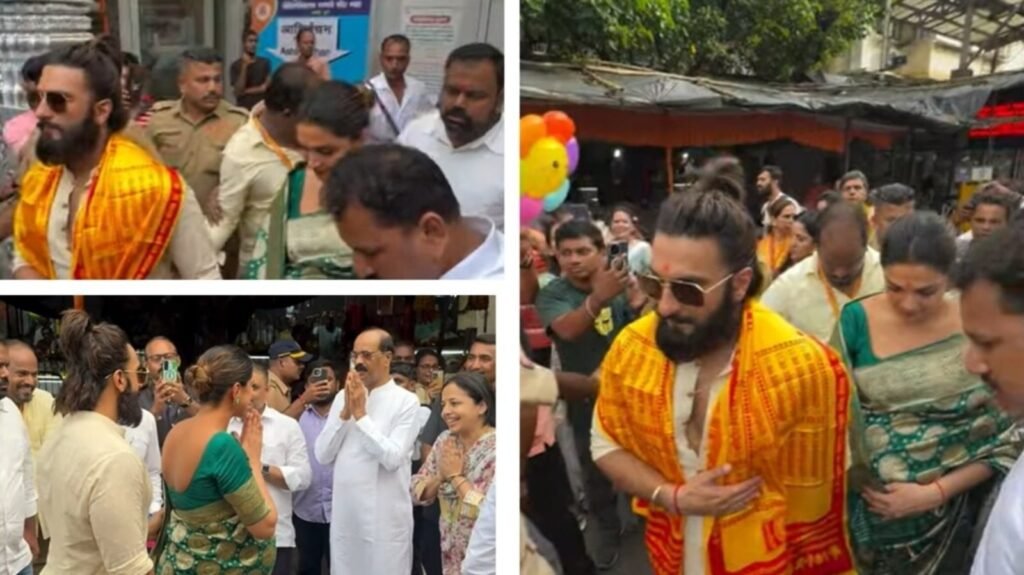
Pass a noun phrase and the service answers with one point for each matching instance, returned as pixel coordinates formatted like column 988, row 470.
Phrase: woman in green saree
column 299, row 239
column 220, row 517
column 926, row 441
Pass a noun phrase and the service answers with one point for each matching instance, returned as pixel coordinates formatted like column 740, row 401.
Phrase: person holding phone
column 164, row 393
column 584, row 310
column 312, row 507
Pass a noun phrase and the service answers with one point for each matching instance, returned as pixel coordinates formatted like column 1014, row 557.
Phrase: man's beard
column 3, row 388
column 129, row 410
column 468, row 130
column 325, row 401
column 720, row 328
column 77, row 140
column 21, row 394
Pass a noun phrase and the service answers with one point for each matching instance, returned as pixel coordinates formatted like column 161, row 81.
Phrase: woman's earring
column 236, row 400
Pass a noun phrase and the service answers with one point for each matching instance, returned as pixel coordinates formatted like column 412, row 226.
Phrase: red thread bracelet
column 941, row 490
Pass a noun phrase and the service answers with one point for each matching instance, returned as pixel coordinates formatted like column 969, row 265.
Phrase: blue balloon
column 557, row 197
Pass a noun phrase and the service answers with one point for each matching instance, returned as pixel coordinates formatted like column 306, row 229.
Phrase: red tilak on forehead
column 663, row 269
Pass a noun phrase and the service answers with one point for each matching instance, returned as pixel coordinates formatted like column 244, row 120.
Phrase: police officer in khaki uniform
column 190, row 133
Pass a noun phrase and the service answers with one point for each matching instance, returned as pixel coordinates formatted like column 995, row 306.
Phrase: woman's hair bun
column 198, row 379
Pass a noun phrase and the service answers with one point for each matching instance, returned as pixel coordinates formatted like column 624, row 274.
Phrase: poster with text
column 434, row 32
column 342, row 29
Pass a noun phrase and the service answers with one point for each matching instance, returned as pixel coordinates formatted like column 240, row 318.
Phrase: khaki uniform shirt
column 195, row 148
column 278, row 393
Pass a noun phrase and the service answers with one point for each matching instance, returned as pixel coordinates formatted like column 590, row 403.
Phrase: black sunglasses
column 686, row 293
column 56, row 101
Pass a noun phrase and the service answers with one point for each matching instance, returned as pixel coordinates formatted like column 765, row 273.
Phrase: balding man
column 169, row 401
column 368, row 438
column 35, row 405
column 843, row 268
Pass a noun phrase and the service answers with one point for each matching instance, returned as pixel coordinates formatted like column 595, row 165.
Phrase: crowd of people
column 811, row 389
column 295, row 465
column 306, row 178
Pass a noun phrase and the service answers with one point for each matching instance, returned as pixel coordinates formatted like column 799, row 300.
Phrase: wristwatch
column 266, row 469
column 187, row 404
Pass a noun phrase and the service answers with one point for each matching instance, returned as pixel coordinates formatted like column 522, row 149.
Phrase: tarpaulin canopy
column 943, row 106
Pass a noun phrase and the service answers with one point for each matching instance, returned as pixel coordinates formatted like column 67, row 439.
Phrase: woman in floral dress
column 460, row 467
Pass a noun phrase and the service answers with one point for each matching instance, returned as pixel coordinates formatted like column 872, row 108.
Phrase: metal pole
column 886, row 26
column 965, row 37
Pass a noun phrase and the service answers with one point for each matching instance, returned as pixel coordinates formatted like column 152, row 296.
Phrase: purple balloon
column 572, row 147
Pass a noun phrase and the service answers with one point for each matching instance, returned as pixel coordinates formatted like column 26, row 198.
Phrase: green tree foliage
column 774, row 40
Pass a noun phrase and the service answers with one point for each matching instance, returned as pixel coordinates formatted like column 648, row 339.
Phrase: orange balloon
column 531, row 129
column 560, row 126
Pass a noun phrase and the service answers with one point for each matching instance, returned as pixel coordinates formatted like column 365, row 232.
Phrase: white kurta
column 371, row 519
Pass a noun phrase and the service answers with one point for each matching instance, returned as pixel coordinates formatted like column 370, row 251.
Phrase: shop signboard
column 342, row 30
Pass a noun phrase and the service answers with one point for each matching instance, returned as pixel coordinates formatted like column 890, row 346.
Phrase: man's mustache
column 361, row 368
column 457, row 113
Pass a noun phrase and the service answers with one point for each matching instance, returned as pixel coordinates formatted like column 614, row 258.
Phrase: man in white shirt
column 769, row 187
column 992, row 207
column 368, row 438
column 145, row 440
column 394, row 207
column 811, row 294
column 992, row 309
column 285, row 465
column 17, row 494
column 398, row 98
column 466, row 136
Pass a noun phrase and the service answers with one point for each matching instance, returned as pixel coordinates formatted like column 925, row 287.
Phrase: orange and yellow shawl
column 125, row 224
column 774, row 251
column 782, row 416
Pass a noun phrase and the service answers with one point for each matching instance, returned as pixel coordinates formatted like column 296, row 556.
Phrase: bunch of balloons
column 548, row 154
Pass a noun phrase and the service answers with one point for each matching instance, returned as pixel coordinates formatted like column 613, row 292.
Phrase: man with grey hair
column 854, row 187
column 368, row 439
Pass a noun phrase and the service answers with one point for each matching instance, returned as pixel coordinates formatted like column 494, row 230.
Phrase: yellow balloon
column 544, row 168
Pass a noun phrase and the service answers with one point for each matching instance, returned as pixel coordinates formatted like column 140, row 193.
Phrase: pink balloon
column 572, row 147
column 529, row 209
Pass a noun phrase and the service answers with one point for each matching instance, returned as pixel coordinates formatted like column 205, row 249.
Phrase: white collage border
column 506, row 314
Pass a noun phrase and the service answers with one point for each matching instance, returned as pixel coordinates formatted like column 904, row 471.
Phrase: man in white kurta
column 369, row 437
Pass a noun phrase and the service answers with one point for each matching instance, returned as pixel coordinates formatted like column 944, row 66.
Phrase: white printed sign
column 981, row 174
column 434, row 32
column 327, row 41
